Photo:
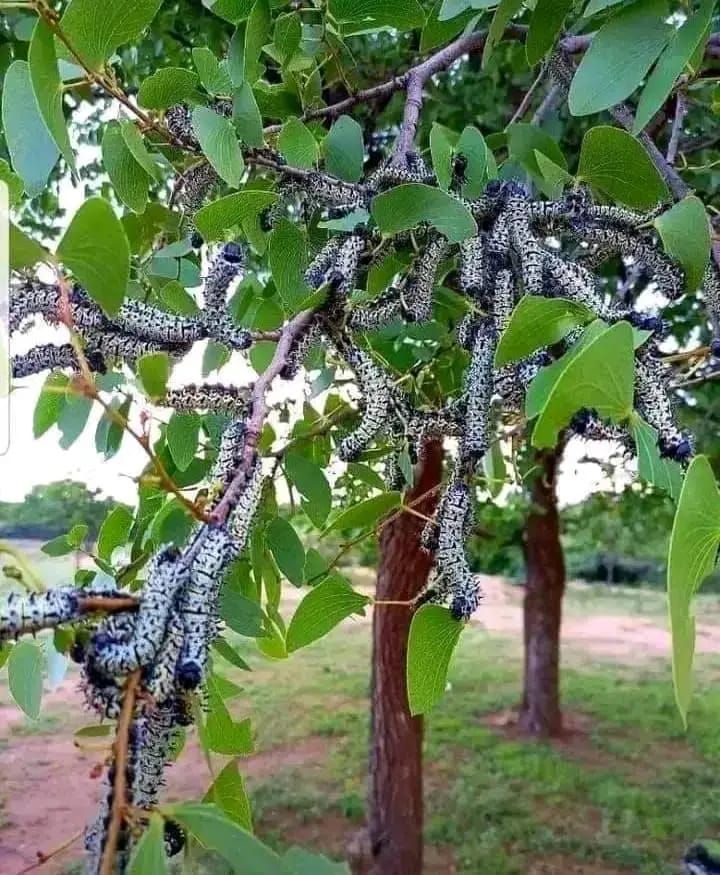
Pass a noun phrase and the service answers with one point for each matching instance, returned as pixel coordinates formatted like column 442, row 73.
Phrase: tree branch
column 680, row 110
column 119, row 796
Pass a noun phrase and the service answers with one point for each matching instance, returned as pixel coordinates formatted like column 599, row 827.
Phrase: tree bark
column 540, row 713
column 392, row 843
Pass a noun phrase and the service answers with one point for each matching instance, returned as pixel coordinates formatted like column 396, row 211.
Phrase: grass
column 630, row 790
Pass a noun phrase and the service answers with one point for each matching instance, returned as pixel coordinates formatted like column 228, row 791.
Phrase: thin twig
column 527, row 99
column 121, row 750
column 680, row 110
column 44, row 858
column 698, row 352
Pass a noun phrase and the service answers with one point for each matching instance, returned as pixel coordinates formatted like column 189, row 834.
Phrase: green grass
column 630, row 790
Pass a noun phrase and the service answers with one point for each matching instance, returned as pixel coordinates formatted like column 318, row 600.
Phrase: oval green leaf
column 616, row 164
column 325, row 606
column 691, row 558
column 685, row 233
column 431, row 642
column 219, row 143
column 25, row 672
column 406, row 206
column 365, row 513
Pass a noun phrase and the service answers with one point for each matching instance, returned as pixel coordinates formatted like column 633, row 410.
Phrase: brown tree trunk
column 540, row 713
column 392, row 843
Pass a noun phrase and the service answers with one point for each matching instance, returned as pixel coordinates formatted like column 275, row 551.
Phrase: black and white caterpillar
column 168, row 574
column 21, row 615
column 214, row 397
column 225, row 267
column 653, row 402
column 452, row 580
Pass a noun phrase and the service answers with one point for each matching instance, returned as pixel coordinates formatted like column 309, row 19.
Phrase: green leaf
column 545, row 25
column 343, row 149
column 600, row 377
column 221, row 733
column 620, row 55
column 257, row 32
column 214, row 77
column 231, row 10
column 32, row 150
column 166, row 87
column 129, row 179
column 174, row 297
column 525, row 141
column 136, row 144
column 472, row 145
column 287, row 257
column 221, row 646
column 154, row 372
column 217, row 139
column 287, row 35
column 25, row 252
column 406, row 206
column 246, row 116
column 501, row 19
column 49, row 404
column 433, row 637
column 229, row 794
column 671, row 64
column 73, row 418
column 287, row 549
column 364, row 513
column 59, row 546
column 358, row 16
column 182, row 435
column 494, row 469
column 310, row 480
column 45, row 78
column 298, row 861
column 442, row 146
column 616, row 164
column 438, row 32
column 691, row 558
column 114, row 531
column 652, row 468
column 685, row 233
column 77, row 534
column 13, row 182
column 536, row 322
column 241, row 614
column 217, row 832
column 95, row 31
column 261, row 354
column 149, row 855
column 297, row 144
column 556, row 178
column 25, row 672
column 325, row 606
column 96, row 249
column 229, row 216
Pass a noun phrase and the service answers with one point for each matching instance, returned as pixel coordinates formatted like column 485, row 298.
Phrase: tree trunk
column 392, row 843
column 540, row 713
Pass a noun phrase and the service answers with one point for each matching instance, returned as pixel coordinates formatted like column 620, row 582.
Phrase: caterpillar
column 22, row 615
column 197, row 185
column 34, row 297
column 587, row 424
column 343, row 268
column 392, row 173
column 229, row 452
column 378, row 397
column 478, row 396
column 453, row 580
column 529, row 251
column 326, row 191
column 142, row 321
column 416, row 297
column 198, row 603
column 159, row 677
column 118, row 346
column 243, row 515
column 167, row 575
column 299, row 350
column 217, row 398
column 222, row 328
column 472, row 267
column 654, row 404
column 381, row 312
column 710, row 290
column 225, row 267
column 317, row 271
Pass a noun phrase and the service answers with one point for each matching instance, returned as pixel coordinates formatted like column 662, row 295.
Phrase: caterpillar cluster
column 137, row 329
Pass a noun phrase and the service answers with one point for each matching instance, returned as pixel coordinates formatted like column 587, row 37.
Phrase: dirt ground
column 49, row 785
